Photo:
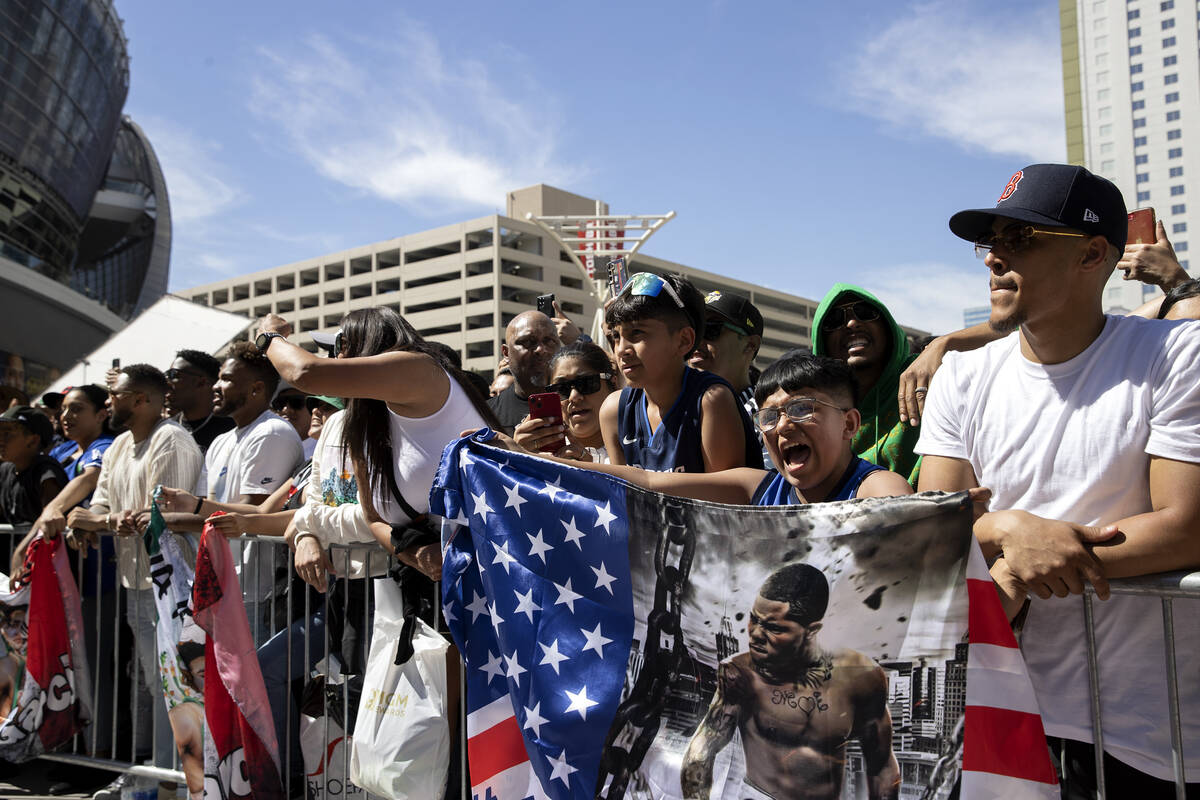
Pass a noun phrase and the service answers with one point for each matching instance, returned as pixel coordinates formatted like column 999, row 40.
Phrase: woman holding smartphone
column 582, row 376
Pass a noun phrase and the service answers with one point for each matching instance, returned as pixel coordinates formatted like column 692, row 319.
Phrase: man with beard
column 149, row 450
column 530, row 341
column 851, row 325
column 795, row 704
column 190, row 396
column 246, row 464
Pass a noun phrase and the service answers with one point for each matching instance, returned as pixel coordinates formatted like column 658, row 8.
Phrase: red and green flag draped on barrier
column 44, row 691
column 241, row 755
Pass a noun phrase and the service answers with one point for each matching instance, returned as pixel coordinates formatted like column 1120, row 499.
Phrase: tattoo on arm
column 873, row 728
column 714, row 732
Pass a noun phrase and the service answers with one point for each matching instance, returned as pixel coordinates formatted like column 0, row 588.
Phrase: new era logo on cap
column 1090, row 216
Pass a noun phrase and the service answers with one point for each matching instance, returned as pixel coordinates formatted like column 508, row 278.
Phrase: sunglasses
column 1016, row 238
column 292, row 401
column 837, row 317
column 174, row 374
column 584, row 384
column 714, row 329
column 647, row 284
column 801, row 409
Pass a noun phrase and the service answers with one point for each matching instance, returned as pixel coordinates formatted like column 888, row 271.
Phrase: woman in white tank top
column 406, row 403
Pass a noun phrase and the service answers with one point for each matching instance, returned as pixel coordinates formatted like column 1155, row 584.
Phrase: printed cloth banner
column 623, row 643
column 180, row 642
column 45, row 694
column 241, row 755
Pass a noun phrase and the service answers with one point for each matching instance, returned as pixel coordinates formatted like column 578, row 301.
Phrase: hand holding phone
column 548, row 406
column 545, row 304
column 1142, row 229
column 616, row 276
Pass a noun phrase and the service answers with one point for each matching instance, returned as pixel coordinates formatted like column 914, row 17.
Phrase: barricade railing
column 360, row 563
column 1168, row 587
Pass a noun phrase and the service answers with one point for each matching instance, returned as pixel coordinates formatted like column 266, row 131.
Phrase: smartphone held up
column 548, row 406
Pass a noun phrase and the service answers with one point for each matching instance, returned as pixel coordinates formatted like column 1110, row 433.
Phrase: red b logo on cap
column 1012, row 185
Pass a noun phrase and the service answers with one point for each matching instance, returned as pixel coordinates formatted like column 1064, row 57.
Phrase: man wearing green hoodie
column 853, row 326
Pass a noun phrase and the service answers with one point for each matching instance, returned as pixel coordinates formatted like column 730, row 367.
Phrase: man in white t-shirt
column 1087, row 430
column 247, row 464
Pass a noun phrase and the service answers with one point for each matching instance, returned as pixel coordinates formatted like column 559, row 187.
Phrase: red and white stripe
column 497, row 755
column 1004, row 745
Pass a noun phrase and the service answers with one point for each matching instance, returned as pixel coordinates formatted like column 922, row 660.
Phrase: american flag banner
column 623, row 643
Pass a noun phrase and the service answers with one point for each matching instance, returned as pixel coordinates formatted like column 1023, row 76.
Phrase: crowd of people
column 1076, row 436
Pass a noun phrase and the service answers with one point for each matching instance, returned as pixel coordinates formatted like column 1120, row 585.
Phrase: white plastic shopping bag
column 401, row 746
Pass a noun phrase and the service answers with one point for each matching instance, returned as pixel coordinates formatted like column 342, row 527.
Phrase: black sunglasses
column 584, row 384
column 174, row 374
column 861, row 311
column 714, row 329
column 294, row 402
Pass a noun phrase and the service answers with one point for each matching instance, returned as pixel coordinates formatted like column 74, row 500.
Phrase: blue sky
column 799, row 142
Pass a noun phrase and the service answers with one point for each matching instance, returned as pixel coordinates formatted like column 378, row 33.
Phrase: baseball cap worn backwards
column 1059, row 195
column 735, row 310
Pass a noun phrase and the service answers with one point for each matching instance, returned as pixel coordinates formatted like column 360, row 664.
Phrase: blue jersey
column 675, row 445
column 776, row 491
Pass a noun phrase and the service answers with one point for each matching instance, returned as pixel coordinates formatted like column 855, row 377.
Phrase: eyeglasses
column 800, row 409
column 174, row 374
column 584, row 384
column 713, row 330
column 1016, row 238
column 294, row 402
column 119, row 392
column 647, row 284
column 836, row 317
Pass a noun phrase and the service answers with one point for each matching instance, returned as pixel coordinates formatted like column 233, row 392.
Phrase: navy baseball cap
column 734, row 309
column 31, row 420
column 1060, row 195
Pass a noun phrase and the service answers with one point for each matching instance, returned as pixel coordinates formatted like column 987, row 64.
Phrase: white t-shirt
column 256, row 459
column 1073, row 442
column 417, row 445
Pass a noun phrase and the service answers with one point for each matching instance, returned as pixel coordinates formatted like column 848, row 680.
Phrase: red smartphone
column 1142, row 227
column 548, row 405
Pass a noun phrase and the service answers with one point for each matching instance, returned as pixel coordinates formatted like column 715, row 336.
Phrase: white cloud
column 193, row 171
column 927, row 296
column 399, row 120
column 981, row 76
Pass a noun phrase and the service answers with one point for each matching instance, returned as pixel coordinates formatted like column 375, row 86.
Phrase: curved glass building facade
column 64, row 75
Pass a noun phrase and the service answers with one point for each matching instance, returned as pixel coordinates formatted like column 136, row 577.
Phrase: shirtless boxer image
column 795, row 704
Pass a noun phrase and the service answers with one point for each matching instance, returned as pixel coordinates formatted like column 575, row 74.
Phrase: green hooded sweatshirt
column 883, row 439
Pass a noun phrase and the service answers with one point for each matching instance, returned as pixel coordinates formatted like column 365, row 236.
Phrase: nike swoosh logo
column 629, row 441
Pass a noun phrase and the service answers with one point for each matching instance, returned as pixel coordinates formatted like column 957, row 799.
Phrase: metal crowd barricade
column 1167, row 586
column 121, row 754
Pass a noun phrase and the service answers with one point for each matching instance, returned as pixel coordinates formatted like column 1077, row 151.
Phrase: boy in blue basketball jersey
column 670, row 418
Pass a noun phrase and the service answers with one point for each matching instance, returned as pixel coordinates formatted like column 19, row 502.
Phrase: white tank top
column 417, row 445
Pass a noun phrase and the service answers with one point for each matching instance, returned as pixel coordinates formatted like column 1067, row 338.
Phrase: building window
column 1177, row 190
column 1172, row 78
column 1172, row 116
column 1171, row 97
column 1169, row 61
column 1175, row 172
column 1136, row 50
column 1143, row 197
column 1166, row 5
column 1139, row 122
column 1181, row 208
column 1183, row 263
column 1179, row 227
column 1139, row 141
column 1102, row 78
column 1180, row 247
column 1101, row 59
column 1143, row 177
column 1169, row 41
column 1141, row 158
column 1174, row 134
column 1134, row 69
column 1175, row 152
column 1134, row 14
column 1134, row 33
column 1167, row 24
column 1106, row 130
column 1137, row 86
column 1098, row 7
column 1138, row 105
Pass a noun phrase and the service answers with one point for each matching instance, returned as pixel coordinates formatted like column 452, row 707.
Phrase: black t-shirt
column 206, row 429
column 509, row 408
column 21, row 492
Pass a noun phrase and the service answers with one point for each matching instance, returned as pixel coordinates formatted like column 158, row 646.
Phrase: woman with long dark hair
column 406, row 402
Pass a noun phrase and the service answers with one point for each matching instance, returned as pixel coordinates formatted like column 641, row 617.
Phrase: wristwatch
column 263, row 340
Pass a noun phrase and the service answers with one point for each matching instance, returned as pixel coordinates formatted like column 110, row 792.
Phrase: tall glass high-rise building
column 1131, row 71
column 84, row 217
